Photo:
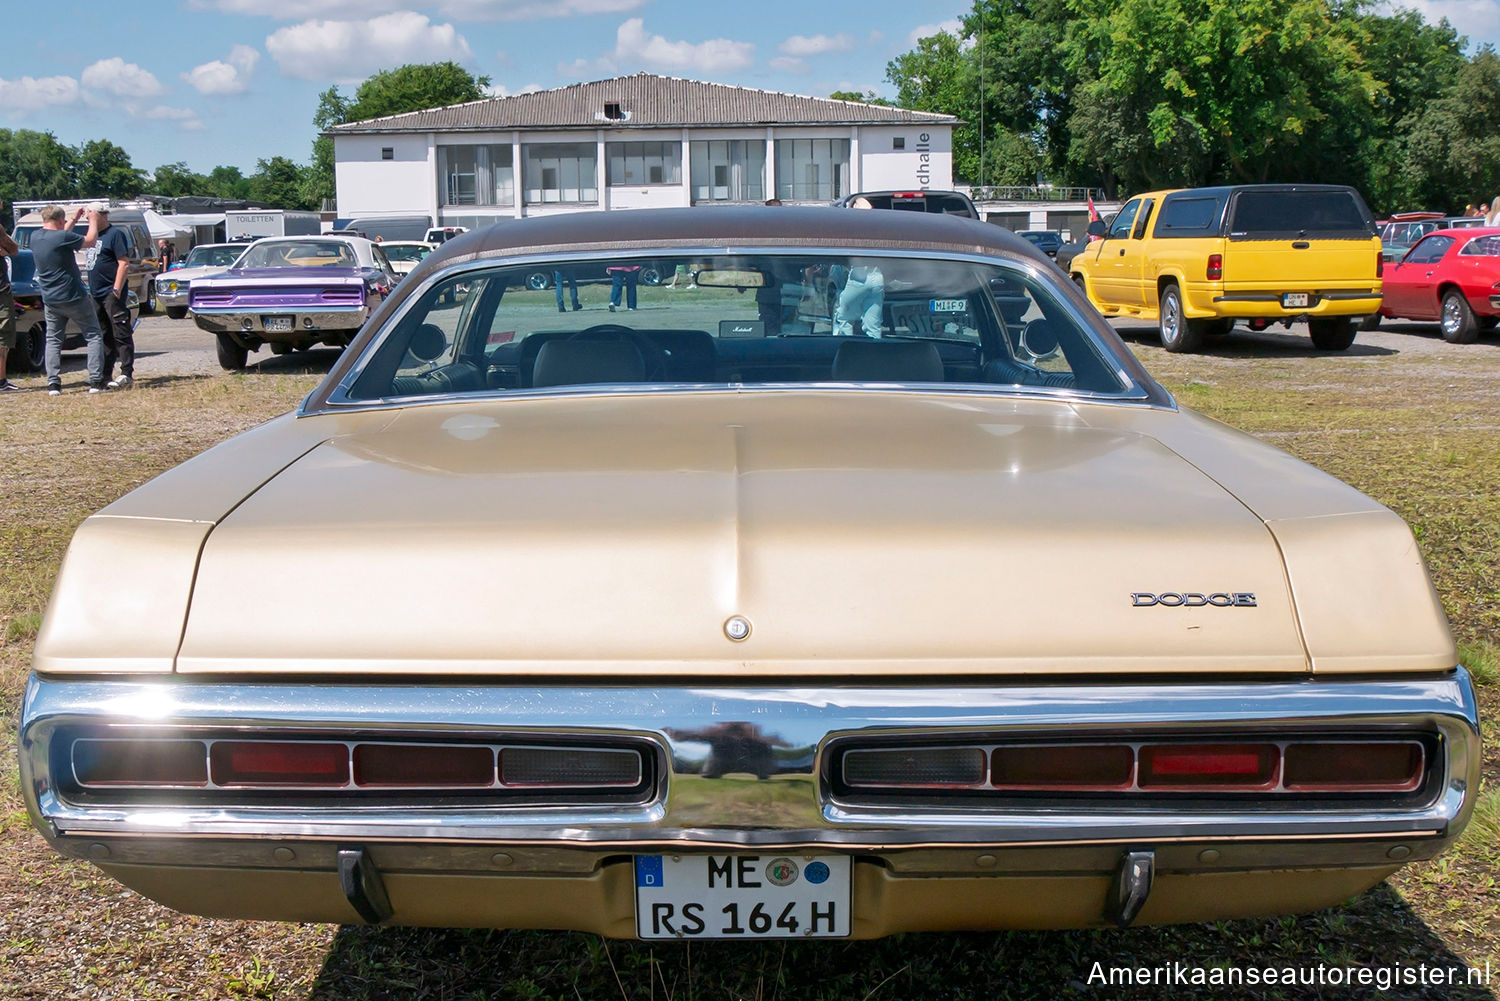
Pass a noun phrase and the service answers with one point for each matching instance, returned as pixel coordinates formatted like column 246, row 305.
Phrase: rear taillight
column 1379, row 264
column 1389, row 766
column 569, row 767
column 279, row 763
column 153, row 763
column 1280, row 768
column 1215, row 267
column 1231, row 766
column 408, row 765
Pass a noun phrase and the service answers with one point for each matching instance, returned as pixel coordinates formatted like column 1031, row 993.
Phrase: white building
column 632, row 142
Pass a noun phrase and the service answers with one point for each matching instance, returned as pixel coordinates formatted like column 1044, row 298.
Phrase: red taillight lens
column 569, row 767
column 279, row 763
column 1215, row 267
column 407, row 765
column 1379, row 264
column 140, row 763
column 1227, row 766
column 1083, row 767
column 1391, row 766
column 915, row 767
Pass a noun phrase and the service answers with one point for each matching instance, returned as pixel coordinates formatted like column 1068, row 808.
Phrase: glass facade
column 729, row 170
column 477, row 175
column 561, row 172
column 644, row 163
column 812, row 170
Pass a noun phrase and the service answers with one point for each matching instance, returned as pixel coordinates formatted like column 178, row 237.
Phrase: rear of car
column 943, row 202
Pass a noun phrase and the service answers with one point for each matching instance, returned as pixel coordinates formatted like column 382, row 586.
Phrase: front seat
column 887, row 361
column 584, row 361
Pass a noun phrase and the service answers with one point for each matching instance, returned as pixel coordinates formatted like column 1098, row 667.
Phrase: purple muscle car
column 292, row 293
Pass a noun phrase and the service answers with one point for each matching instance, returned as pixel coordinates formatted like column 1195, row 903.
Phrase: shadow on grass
column 1376, row 931
column 1242, row 342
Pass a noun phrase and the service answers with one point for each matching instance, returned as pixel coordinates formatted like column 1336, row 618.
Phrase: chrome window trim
column 805, row 718
column 339, row 400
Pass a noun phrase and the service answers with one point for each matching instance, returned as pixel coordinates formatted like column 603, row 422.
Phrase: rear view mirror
column 731, row 278
column 1097, row 228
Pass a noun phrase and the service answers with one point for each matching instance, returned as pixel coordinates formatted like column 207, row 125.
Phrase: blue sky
column 213, row 82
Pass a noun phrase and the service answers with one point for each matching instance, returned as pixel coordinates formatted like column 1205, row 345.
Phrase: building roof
column 643, row 100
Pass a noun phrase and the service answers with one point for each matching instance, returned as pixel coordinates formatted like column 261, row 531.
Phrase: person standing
column 65, row 299
column 558, row 278
column 165, row 254
column 622, row 276
column 109, row 265
column 8, row 249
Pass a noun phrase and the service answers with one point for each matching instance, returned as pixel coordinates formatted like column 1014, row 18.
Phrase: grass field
column 1411, row 422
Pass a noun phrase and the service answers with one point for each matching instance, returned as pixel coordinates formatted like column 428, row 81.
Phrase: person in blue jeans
column 558, row 277
column 622, row 276
column 65, row 299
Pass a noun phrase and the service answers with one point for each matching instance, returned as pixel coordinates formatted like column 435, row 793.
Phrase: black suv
column 1048, row 241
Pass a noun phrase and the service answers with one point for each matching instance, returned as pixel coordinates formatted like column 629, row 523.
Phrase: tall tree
column 413, row 87
column 34, row 165
column 104, row 170
column 173, row 180
column 333, row 109
column 279, row 182
column 1454, row 143
column 227, row 182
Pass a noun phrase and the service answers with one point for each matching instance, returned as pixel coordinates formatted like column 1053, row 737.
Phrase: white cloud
column 230, row 75
column 30, row 93
column 790, row 64
column 952, row 26
column 348, row 51
column 463, row 10
column 1479, row 19
column 500, row 90
column 115, row 78
column 815, row 45
column 587, row 69
column 715, row 56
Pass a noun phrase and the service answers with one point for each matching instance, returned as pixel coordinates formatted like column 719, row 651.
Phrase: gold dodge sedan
column 863, row 583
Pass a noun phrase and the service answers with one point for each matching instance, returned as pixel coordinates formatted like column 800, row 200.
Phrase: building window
column 898, row 142
column 812, row 170
column 612, row 111
column 644, row 163
column 387, row 153
column 476, row 175
column 561, row 172
column 728, row 170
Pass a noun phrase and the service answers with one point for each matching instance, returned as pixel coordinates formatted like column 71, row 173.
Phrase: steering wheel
column 652, row 354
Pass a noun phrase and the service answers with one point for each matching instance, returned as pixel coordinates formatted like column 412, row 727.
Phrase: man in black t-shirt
column 64, row 298
column 109, row 264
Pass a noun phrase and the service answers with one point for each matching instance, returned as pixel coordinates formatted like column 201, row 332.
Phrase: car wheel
column 1458, row 319
column 232, row 353
column 1178, row 334
column 650, row 276
column 1082, row 285
column 1371, row 322
column 30, row 352
column 1331, row 333
column 538, row 280
column 176, row 312
column 149, row 306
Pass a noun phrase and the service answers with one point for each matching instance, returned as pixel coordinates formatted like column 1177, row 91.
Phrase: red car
column 1451, row 276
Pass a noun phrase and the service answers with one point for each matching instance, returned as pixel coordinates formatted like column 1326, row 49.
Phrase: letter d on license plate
column 742, row 896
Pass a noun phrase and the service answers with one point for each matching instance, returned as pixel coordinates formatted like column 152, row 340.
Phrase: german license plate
column 741, row 896
column 276, row 322
column 1295, row 300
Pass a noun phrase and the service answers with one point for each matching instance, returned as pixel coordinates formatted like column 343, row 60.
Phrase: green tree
column 1454, row 143
column 412, row 88
column 34, row 165
column 868, row 97
column 173, row 180
column 279, row 182
column 333, row 109
column 227, row 182
column 104, row 170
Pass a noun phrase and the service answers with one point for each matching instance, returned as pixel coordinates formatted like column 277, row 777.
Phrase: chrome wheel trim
column 1171, row 319
column 1452, row 319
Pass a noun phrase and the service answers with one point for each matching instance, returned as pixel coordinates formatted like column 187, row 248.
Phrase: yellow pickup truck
column 1197, row 260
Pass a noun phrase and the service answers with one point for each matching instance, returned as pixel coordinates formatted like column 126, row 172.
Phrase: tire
column 538, row 280
column 148, row 305
column 176, row 312
column 30, row 352
column 650, row 276
column 1457, row 319
column 1331, row 333
column 1179, row 335
column 1082, row 285
column 232, row 354
column 1371, row 322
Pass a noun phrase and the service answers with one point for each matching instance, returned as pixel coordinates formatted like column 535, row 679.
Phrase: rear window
column 1482, row 246
column 943, row 202
column 1281, row 213
column 1183, row 217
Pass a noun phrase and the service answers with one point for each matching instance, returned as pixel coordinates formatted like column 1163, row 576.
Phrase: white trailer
column 240, row 223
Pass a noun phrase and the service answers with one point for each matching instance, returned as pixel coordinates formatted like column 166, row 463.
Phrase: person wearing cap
column 65, row 298
column 109, row 264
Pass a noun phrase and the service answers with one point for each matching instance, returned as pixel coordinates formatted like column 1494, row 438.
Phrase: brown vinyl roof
column 646, row 101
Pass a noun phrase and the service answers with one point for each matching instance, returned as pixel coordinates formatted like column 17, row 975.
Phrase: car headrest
column 428, row 342
column 573, row 362
column 887, row 361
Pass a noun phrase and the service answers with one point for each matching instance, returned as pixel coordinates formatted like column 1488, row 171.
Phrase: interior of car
column 750, row 320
